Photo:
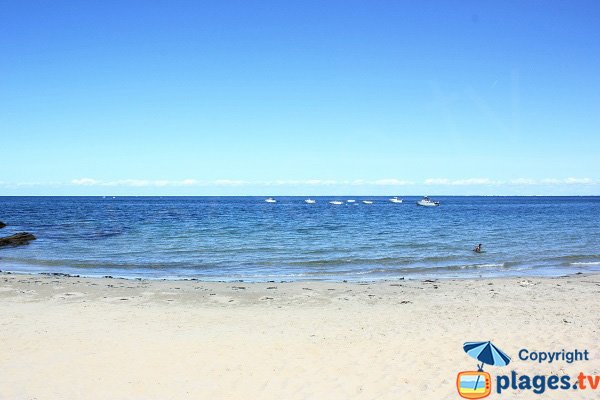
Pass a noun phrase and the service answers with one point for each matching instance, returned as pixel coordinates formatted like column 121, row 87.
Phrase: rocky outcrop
column 2, row 224
column 17, row 239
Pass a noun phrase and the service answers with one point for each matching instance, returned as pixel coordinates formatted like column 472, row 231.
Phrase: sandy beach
column 100, row 338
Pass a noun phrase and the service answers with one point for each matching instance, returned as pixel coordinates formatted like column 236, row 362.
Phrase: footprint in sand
column 68, row 296
column 222, row 299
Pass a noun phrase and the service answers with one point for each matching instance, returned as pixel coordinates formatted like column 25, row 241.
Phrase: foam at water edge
column 586, row 263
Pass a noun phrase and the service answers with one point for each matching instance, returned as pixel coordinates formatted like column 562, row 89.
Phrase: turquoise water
column 244, row 238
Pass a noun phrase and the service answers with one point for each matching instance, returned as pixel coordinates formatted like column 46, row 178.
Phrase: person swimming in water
column 477, row 248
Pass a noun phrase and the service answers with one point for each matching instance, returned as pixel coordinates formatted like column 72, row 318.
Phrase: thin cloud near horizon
column 326, row 182
column 191, row 182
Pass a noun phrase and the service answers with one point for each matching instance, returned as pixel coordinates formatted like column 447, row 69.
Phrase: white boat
column 350, row 201
column 270, row 200
column 336, row 202
column 310, row 201
column 367, row 202
column 395, row 200
column 427, row 202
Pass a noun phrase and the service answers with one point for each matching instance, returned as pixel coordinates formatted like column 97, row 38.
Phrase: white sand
column 76, row 338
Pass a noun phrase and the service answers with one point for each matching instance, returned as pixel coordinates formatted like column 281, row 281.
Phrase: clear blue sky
column 299, row 97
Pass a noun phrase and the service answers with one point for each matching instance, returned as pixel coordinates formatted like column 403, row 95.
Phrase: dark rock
column 61, row 274
column 2, row 224
column 17, row 239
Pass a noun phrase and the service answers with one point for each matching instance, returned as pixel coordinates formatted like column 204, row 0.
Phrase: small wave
column 573, row 257
column 491, row 265
column 473, row 266
column 350, row 261
column 586, row 263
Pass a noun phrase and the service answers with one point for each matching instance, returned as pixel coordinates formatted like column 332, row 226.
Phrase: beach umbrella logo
column 478, row 384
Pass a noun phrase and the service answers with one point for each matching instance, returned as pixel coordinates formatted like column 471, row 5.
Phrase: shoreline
column 157, row 339
column 345, row 281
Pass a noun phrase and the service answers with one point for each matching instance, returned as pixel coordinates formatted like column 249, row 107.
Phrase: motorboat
column 270, row 200
column 367, row 202
column 350, row 201
column 396, row 200
column 427, row 202
column 310, row 201
column 336, row 202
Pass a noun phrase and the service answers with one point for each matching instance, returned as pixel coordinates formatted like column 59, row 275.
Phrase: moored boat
column 427, row 202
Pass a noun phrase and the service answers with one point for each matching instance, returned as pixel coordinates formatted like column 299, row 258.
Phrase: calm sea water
column 244, row 238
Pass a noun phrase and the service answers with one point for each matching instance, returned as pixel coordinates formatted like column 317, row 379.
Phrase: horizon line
column 315, row 196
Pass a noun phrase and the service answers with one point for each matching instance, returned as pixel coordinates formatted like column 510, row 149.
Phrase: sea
column 247, row 239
